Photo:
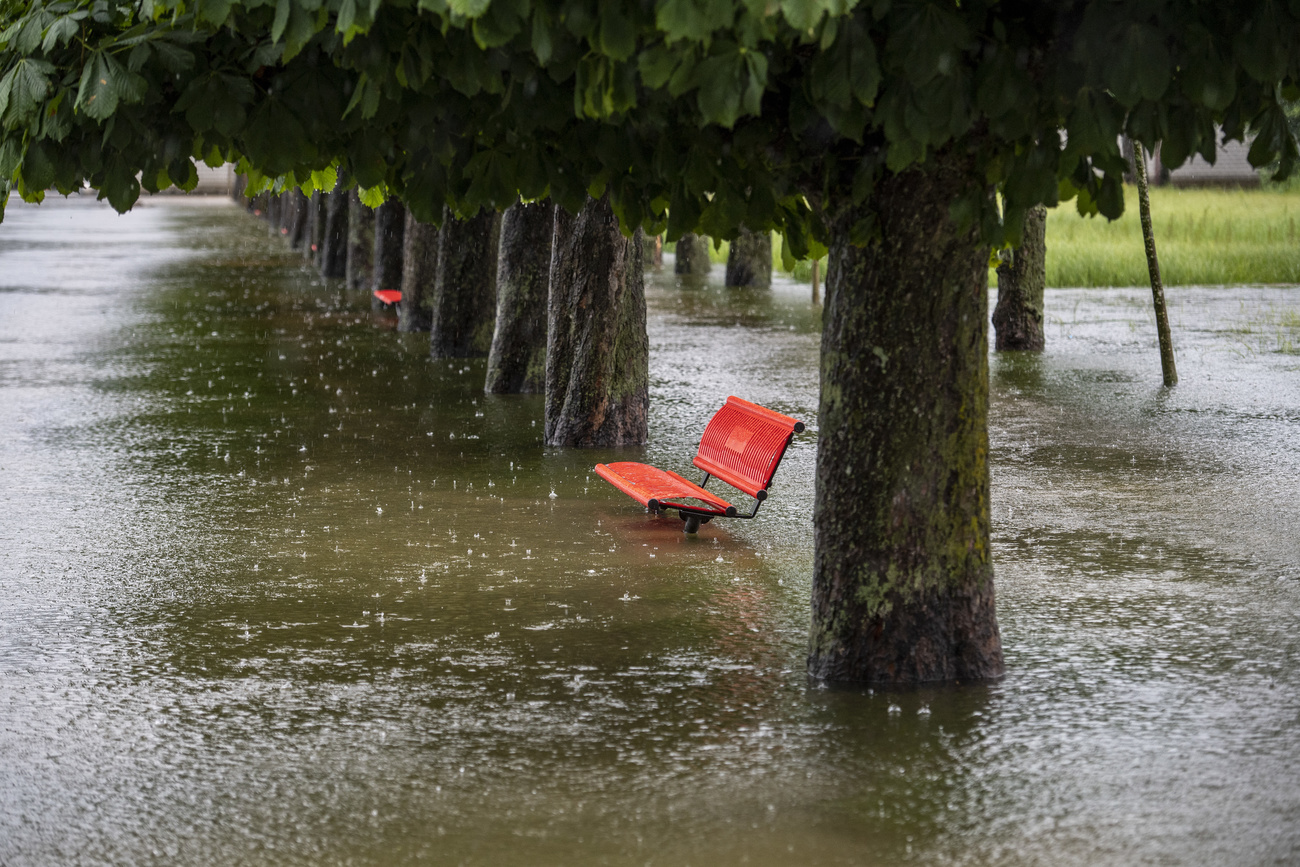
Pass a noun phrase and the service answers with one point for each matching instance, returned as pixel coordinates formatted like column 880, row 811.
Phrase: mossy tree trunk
column 334, row 246
column 1169, row 368
column 749, row 261
column 464, row 293
column 903, row 578
column 361, row 244
column 1018, row 317
column 692, row 256
column 419, row 269
column 597, row 353
column 390, row 229
column 517, row 360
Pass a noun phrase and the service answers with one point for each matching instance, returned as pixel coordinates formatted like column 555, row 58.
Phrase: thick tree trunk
column 361, row 244
column 517, row 360
column 390, row 229
column 334, row 246
column 298, row 218
column 1018, row 318
column 903, row 580
column 419, row 270
column 597, row 351
column 749, row 261
column 692, row 257
column 464, row 293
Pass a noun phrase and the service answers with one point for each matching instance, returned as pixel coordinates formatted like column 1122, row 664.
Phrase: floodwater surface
column 277, row 589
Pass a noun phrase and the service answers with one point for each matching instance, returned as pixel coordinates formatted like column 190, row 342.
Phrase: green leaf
column 214, row 11
column 23, row 90
column 11, row 156
column 617, row 33
column 281, row 20
column 656, row 66
column 37, row 172
column 543, row 45
column 120, row 186
column 347, row 16
column 723, row 81
column 58, row 33
column 373, row 197
column 693, row 20
column 105, row 82
column 468, row 8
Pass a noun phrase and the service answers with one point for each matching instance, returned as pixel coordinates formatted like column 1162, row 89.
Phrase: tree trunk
column 316, row 215
column 464, row 293
column 361, row 244
column 597, row 351
column 517, row 361
column 692, row 257
column 1167, row 366
column 749, row 262
column 902, row 575
column 1018, row 318
column 298, row 218
column 390, row 227
column 334, row 246
column 419, row 269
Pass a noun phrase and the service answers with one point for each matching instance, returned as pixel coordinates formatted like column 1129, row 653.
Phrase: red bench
column 388, row 297
column 742, row 445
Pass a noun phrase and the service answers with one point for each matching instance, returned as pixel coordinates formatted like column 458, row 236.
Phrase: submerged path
column 277, row 589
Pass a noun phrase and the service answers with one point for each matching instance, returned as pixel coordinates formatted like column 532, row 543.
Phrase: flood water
column 276, row 589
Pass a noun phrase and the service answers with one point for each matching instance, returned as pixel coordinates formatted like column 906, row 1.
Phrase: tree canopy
column 693, row 114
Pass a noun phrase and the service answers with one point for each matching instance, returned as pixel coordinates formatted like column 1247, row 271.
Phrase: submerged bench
column 742, row 445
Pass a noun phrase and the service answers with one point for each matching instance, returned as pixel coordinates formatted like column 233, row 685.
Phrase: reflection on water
column 278, row 589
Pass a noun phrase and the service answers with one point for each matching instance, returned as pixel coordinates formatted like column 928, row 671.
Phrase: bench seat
column 742, row 445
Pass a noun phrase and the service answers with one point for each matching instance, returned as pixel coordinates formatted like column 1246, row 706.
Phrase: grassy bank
column 1203, row 237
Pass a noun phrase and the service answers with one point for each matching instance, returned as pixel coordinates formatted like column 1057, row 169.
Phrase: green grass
column 1203, row 237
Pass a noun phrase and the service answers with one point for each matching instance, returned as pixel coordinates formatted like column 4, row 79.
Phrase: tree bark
column 334, row 246
column 692, row 257
column 316, row 215
column 597, row 351
column 361, row 244
column 464, row 292
column 1018, row 318
column 298, row 218
column 517, row 360
column 1168, row 368
column 390, row 227
column 419, row 269
column 749, row 261
column 903, row 580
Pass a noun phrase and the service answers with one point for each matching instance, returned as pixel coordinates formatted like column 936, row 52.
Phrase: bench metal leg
column 692, row 523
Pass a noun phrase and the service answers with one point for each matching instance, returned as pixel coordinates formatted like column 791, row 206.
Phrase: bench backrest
column 743, row 444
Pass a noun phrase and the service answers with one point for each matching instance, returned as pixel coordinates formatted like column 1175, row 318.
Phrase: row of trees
column 882, row 130
column 495, row 286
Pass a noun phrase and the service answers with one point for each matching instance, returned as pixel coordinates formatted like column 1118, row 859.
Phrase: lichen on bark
column 692, row 256
column 903, row 580
column 749, row 260
column 390, row 230
column 517, row 360
column 463, row 308
column 419, row 270
column 1022, row 276
column 361, row 244
column 598, row 353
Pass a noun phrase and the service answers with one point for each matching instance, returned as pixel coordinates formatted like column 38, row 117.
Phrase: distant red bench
column 388, row 297
column 742, row 445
